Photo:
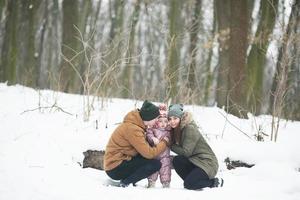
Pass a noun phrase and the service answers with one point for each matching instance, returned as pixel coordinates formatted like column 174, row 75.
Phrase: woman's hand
column 155, row 140
column 167, row 140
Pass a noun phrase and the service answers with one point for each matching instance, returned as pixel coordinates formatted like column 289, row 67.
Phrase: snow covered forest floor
column 41, row 151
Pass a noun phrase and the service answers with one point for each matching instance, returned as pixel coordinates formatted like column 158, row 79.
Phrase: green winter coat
column 193, row 146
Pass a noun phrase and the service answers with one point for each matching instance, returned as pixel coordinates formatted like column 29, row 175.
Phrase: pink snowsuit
column 164, row 157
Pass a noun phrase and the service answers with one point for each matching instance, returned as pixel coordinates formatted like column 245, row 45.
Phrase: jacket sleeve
column 138, row 141
column 188, row 142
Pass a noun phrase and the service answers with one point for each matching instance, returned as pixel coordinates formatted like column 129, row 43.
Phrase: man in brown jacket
column 128, row 157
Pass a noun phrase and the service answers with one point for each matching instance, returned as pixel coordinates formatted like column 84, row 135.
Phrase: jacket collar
column 134, row 117
column 187, row 118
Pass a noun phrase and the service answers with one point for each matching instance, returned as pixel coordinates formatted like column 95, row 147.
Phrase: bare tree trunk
column 292, row 100
column 9, row 54
column 2, row 5
column 284, row 69
column 69, row 45
column 194, row 29
column 149, row 83
column 3, row 13
column 237, row 57
column 210, row 74
column 51, row 48
column 223, row 23
column 128, row 70
column 257, row 56
column 114, row 51
column 84, row 59
column 250, row 9
column 29, row 67
column 171, row 73
column 39, row 63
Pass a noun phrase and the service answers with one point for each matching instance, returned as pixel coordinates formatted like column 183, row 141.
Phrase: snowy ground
column 41, row 151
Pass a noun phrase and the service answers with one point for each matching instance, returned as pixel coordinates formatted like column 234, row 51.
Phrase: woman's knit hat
column 175, row 110
column 149, row 111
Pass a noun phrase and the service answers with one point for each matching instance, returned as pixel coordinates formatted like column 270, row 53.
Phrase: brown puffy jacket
column 128, row 140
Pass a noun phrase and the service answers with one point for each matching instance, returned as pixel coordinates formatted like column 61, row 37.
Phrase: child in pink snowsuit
column 154, row 135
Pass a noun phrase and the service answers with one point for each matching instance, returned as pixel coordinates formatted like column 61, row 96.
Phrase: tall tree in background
column 150, row 47
column 172, row 69
column 210, row 75
column 238, row 43
column 70, row 46
column 194, row 29
column 129, row 66
column 257, row 56
column 286, row 82
column 113, row 54
column 40, row 50
column 34, row 34
column 292, row 100
column 2, row 6
column 9, row 53
column 223, row 12
column 84, row 59
column 50, row 42
column 29, row 54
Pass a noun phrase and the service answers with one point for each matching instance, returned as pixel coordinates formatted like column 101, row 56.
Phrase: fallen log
column 93, row 159
column 232, row 164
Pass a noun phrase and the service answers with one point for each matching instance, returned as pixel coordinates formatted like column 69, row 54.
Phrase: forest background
column 242, row 56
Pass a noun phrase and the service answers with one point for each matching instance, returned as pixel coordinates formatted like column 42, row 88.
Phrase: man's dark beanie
column 149, row 111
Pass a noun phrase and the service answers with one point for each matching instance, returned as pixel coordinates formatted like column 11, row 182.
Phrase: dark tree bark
column 194, row 29
column 238, row 43
column 284, row 97
column 51, row 48
column 129, row 67
column 292, row 100
column 257, row 56
column 210, row 74
column 85, row 61
column 40, row 71
column 69, row 46
column 29, row 69
column 113, row 53
column 171, row 73
column 223, row 28
column 9, row 54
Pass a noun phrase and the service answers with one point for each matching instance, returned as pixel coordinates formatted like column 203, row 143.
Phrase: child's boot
column 151, row 184
column 166, row 185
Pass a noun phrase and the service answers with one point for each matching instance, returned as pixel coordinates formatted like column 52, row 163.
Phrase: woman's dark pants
column 194, row 177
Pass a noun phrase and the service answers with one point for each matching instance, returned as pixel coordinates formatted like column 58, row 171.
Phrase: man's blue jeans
column 134, row 170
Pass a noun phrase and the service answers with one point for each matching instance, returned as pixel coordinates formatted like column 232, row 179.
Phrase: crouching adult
column 128, row 156
column 195, row 163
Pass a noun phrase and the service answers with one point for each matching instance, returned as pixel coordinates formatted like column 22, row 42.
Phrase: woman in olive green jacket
column 195, row 162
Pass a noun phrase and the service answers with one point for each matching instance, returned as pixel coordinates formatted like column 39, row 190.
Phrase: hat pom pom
column 163, row 109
